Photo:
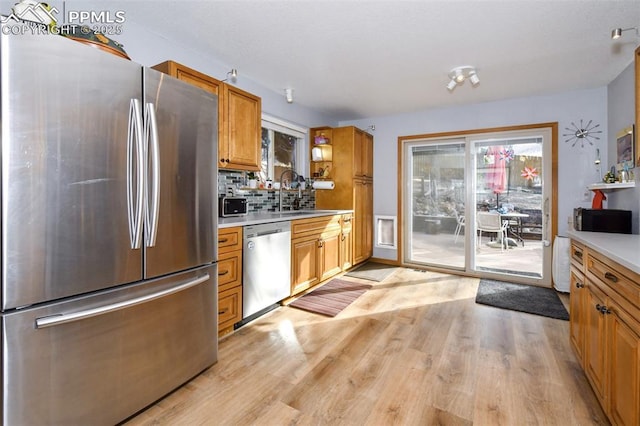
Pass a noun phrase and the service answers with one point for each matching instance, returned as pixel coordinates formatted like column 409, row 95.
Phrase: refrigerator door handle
column 153, row 157
column 54, row 320
column 135, row 189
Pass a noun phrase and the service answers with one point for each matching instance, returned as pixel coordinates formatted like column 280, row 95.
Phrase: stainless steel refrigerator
column 109, row 224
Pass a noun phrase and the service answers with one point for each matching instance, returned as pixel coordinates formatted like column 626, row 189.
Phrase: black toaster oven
column 232, row 206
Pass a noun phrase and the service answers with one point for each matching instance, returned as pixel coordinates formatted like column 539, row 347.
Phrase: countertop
column 621, row 248
column 268, row 217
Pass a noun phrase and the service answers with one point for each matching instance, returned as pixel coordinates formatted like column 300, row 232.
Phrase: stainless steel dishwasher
column 266, row 266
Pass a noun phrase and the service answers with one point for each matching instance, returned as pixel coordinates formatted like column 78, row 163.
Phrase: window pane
column 267, row 144
column 284, row 153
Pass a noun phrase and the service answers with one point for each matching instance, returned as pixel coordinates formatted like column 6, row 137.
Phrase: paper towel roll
column 323, row 184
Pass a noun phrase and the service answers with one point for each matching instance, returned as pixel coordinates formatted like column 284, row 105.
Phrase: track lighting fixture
column 233, row 75
column 459, row 74
column 617, row 32
column 289, row 95
column 371, row 128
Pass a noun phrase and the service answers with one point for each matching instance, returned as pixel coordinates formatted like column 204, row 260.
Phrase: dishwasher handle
column 269, row 232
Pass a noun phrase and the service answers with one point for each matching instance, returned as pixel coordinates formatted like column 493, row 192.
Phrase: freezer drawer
column 101, row 358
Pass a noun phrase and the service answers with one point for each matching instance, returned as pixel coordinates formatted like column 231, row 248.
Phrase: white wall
column 621, row 107
column 575, row 164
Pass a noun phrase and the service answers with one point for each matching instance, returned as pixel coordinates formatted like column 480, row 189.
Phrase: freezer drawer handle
column 54, row 320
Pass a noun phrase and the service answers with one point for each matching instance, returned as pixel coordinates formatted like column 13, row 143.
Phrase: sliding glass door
column 436, row 197
column 480, row 204
column 509, row 205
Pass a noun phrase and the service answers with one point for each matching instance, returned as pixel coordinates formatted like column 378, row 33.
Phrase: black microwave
column 232, row 206
column 602, row 220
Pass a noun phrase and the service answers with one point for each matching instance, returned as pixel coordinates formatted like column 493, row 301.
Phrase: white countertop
column 268, row 217
column 621, row 248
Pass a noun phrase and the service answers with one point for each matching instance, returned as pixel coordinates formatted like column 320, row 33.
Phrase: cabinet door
column 624, row 370
column 239, row 147
column 367, row 156
column 304, row 263
column 346, row 247
column 362, row 155
column 330, row 255
column 577, row 309
column 363, row 221
column 595, row 341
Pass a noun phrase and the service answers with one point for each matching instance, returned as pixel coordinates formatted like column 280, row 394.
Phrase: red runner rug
column 331, row 298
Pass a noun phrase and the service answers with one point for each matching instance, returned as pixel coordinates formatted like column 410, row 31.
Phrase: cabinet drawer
column 315, row 225
column 229, row 239
column 613, row 276
column 229, row 270
column 229, row 307
column 577, row 254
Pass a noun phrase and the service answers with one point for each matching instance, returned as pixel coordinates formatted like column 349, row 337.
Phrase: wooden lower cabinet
column 346, row 243
column 576, row 307
column 229, row 309
column 605, row 332
column 363, row 220
column 624, row 374
column 305, row 271
column 595, row 341
column 229, row 278
column 316, row 251
column 329, row 255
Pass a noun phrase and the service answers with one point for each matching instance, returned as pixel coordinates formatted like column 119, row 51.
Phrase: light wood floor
column 413, row 350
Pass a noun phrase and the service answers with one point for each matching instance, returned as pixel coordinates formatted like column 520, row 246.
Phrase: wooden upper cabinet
column 242, row 122
column 239, row 117
column 363, row 155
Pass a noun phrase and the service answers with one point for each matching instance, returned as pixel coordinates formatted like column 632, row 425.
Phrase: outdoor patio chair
column 459, row 225
column 491, row 222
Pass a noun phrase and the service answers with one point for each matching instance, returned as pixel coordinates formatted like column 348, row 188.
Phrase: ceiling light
column 473, row 78
column 459, row 74
column 289, row 95
column 459, row 77
column 617, row 32
column 234, row 75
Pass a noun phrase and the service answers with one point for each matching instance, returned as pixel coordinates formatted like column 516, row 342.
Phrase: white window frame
column 301, row 133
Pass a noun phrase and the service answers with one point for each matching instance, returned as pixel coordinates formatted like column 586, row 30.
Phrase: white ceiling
column 361, row 58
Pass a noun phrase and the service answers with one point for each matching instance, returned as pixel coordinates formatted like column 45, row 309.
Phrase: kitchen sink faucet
column 294, row 178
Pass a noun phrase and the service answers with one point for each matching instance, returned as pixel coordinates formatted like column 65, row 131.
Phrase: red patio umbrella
column 497, row 176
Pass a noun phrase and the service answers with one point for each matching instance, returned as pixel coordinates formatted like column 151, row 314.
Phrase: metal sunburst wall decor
column 582, row 133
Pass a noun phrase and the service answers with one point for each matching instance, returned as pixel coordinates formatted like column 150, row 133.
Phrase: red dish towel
column 598, row 198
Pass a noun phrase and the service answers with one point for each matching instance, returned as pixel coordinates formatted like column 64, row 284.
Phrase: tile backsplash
column 262, row 200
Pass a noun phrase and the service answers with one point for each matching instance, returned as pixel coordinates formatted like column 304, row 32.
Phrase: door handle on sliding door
column 153, row 167
column 135, row 186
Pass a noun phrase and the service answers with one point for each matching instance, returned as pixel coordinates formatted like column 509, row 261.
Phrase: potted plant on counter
column 252, row 180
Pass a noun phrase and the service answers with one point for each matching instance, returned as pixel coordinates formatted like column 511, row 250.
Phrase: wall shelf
column 611, row 186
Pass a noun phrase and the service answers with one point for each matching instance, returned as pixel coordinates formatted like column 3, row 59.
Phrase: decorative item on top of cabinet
column 239, row 117
column 352, row 174
column 229, row 278
column 605, row 331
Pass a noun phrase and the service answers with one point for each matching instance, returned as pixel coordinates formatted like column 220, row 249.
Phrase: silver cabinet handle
column 153, row 157
column 54, row 320
column 135, row 187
